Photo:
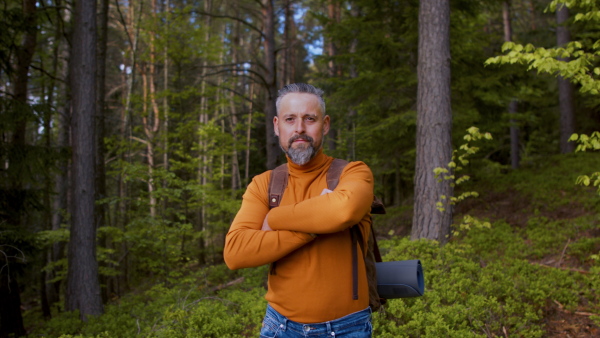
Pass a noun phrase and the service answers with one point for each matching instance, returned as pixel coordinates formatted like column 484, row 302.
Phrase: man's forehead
column 300, row 96
column 297, row 102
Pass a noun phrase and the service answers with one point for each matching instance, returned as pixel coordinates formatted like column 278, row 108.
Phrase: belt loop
column 330, row 331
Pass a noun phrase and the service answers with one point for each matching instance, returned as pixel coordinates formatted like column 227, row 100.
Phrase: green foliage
column 548, row 184
column 482, row 285
column 487, row 281
column 588, row 143
column 575, row 61
column 460, row 159
column 189, row 308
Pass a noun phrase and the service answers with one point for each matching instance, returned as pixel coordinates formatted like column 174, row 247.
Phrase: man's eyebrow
column 301, row 115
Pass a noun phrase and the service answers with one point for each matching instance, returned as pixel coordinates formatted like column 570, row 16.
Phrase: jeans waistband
column 353, row 319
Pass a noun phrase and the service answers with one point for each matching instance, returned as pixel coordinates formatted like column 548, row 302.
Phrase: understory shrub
column 474, row 289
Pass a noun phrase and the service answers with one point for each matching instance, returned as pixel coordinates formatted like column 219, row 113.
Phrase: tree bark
column 61, row 179
column 434, row 122
column 271, row 82
column 101, row 212
column 333, row 14
column 11, row 319
column 249, row 136
column 353, row 72
column 11, row 324
column 289, row 58
column 512, row 105
column 565, row 87
column 83, row 287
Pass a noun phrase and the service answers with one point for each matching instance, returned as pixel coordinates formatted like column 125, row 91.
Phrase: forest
column 131, row 128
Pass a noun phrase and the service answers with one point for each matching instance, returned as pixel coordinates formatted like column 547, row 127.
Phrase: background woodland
column 130, row 129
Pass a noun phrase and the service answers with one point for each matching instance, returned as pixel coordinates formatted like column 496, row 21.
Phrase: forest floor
column 516, row 199
column 515, row 209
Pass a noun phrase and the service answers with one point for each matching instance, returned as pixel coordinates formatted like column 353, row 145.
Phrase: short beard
column 301, row 155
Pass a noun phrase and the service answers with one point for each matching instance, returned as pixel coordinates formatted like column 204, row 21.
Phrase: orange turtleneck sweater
column 313, row 278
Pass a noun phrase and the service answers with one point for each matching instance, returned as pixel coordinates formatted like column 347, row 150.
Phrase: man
column 307, row 237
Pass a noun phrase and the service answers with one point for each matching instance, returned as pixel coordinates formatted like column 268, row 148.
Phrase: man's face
column 300, row 126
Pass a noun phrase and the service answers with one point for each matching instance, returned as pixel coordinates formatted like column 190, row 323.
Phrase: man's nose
column 299, row 127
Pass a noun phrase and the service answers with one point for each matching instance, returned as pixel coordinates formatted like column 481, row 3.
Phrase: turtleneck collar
column 316, row 163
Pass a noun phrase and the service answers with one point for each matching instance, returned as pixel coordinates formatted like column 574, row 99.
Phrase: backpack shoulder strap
column 277, row 184
column 334, row 172
column 279, row 180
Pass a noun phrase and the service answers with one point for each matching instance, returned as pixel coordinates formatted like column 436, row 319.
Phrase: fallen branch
column 225, row 285
column 560, row 267
column 563, row 254
column 579, row 313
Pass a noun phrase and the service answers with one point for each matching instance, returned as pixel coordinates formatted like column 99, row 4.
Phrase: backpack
column 277, row 185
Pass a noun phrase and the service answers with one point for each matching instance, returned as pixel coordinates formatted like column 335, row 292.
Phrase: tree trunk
column 83, row 288
column 434, row 122
column 331, row 51
column 512, row 105
column 11, row 324
column 166, row 102
column 515, row 157
column 333, row 14
column 288, row 61
column 11, row 320
column 101, row 211
column 271, row 82
column 249, row 136
column 61, row 180
column 565, row 87
column 24, row 55
column 353, row 72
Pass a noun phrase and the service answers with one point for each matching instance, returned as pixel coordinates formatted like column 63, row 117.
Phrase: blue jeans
column 354, row 325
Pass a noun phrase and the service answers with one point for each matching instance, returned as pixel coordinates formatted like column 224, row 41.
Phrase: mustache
column 300, row 137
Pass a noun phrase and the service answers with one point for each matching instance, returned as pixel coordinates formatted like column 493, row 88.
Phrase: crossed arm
column 249, row 243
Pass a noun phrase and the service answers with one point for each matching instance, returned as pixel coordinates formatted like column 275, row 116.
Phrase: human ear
column 276, row 126
column 326, row 124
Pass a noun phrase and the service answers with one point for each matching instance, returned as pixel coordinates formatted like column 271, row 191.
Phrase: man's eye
column 311, row 119
column 289, row 119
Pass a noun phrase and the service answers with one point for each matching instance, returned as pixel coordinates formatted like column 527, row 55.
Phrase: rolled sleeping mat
column 400, row 279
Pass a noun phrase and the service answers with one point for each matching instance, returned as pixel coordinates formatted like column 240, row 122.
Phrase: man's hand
column 265, row 225
column 326, row 191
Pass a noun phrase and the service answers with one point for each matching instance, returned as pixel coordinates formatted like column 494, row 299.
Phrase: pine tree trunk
column 331, row 52
column 565, row 87
column 166, row 102
column 512, row 105
column 271, row 82
column 249, row 136
column 61, row 187
column 101, row 211
column 434, row 121
column 11, row 320
column 352, row 113
column 83, row 288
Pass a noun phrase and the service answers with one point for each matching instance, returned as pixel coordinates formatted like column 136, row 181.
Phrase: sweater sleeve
column 333, row 212
column 246, row 245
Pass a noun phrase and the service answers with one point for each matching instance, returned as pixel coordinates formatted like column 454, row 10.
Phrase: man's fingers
column 326, row 191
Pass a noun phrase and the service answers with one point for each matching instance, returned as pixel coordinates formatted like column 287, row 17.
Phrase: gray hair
column 301, row 88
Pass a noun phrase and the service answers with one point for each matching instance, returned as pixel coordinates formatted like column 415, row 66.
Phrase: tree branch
column 240, row 20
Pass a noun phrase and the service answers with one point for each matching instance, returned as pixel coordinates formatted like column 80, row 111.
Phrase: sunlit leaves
column 586, row 143
column 576, row 61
